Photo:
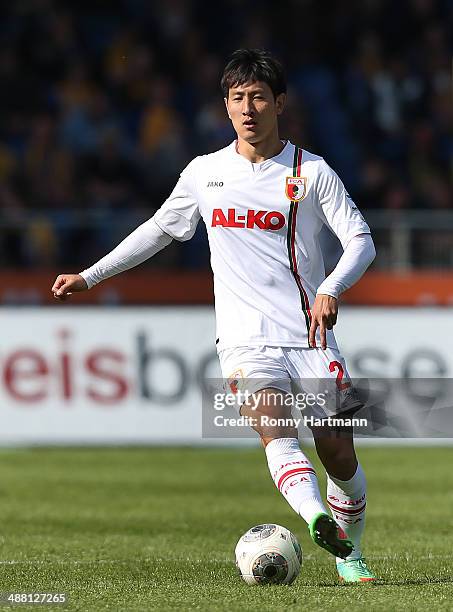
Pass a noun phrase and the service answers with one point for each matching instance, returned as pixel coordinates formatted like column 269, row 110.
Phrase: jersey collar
column 276, row 158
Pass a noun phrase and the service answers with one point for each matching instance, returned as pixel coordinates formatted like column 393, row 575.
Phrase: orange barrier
column 173, row 287
column 133, row 287
column 408, row 289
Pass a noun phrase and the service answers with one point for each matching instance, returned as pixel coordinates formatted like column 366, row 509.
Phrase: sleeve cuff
column 87, row 278
column 327, row 291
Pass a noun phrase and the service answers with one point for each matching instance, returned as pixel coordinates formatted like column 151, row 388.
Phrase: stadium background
column 102, row 105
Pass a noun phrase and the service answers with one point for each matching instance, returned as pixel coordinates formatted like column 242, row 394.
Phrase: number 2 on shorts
column 336, row 365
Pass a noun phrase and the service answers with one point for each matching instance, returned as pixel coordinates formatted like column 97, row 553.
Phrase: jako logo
column 272, row 220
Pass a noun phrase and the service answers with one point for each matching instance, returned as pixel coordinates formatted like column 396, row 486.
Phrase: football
column 268, row 554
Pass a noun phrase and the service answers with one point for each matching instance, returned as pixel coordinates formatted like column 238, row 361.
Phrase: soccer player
column 264, row 202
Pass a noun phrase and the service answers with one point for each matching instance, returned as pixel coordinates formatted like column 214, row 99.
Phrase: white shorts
column 289, row 369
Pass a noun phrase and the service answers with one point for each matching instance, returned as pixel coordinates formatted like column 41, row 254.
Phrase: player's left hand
column 323, row 315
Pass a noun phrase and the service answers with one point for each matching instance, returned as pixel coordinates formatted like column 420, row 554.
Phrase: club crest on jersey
column 296, row 188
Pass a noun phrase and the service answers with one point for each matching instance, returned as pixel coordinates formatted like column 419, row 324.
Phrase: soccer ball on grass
column 268, row 554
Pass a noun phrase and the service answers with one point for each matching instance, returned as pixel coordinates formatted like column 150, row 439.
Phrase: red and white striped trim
column 347, row 511
column 291, row 240
column 286, row 475
column 294, row 260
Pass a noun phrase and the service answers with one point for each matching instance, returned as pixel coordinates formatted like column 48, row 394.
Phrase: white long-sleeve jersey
column 263, row 222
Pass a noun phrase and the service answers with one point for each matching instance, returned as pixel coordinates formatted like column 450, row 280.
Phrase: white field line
column 395, row 557
column 106, row 561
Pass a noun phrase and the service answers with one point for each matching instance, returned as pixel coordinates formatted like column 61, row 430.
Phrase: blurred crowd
column 104, row 103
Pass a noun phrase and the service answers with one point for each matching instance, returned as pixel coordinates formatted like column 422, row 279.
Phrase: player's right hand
column 66, row 284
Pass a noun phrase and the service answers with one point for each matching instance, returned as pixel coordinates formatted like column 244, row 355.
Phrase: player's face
column 253, row 110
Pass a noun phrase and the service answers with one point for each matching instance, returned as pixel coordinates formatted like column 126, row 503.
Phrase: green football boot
column 355, row 571
column 326, row 533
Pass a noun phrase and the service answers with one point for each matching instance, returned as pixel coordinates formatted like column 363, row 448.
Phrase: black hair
column 253, row 65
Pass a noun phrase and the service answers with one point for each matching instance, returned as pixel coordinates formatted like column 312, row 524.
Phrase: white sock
column 294, row 477
column 347, row 501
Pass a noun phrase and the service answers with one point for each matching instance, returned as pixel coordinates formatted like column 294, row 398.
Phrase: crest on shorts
column 234, row 381
column 296, row 188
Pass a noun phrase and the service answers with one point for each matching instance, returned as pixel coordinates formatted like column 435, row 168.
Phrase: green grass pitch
column 155, row 529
